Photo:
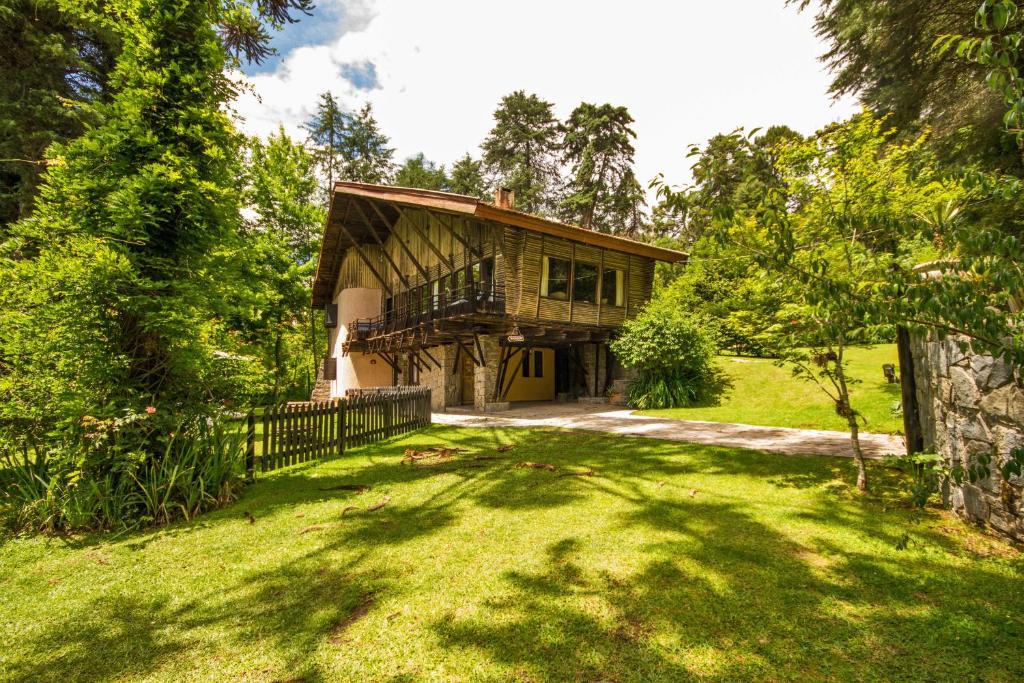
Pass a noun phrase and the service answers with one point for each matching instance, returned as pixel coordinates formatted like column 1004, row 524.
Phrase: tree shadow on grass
column 709, row 590
column 724, row 597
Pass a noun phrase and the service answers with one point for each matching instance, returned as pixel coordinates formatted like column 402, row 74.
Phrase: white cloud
column 685, row 69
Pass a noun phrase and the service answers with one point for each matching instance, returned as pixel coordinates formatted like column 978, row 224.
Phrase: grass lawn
column 760, row 393
column 672, row 562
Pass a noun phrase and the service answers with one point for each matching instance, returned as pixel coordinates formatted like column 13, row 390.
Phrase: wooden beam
column 387, row 359
column 458, row 353
column 468, row 247
column 445, row 261
column 467, row 351
column 506, row 355
column 392, row 226
column 522, row 358
column 432, row 359
column 480, row 350
column 376, row 237
column 366, row 260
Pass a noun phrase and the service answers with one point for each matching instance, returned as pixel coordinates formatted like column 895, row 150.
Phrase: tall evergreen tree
column 603, row 192
column 111, row 298
column 366, row 157
column 884, row 53
column 467, row 177
column 327, row 129
column 55, row 54
column 521, row 151
column 418, row 171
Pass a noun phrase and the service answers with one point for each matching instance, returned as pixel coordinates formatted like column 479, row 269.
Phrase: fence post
column 250, row 446
column 342, row 425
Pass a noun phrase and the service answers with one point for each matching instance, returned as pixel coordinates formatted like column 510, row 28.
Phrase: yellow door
column 534, row 375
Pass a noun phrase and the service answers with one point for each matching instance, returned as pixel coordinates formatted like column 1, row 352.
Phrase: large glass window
column 526, row 362
column 584, row 283
column 554, row 279
column 538, row 364
column 612, row 293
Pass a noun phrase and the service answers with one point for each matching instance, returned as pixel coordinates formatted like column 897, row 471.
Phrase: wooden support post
column 466, row 350
column 522, row 358
column 250, row 446
column 908, row 386
column 432, row 359
column 479, row 349
column 506, row 355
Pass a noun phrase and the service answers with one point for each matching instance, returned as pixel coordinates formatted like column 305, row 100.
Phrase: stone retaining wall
column 969, row 405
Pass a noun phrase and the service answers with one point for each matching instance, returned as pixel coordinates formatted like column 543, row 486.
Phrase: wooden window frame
column 545, row 260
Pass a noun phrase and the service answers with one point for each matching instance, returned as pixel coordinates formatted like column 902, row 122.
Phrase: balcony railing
column 470, row 299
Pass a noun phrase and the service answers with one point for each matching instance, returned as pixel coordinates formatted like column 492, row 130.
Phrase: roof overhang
column 350, row 221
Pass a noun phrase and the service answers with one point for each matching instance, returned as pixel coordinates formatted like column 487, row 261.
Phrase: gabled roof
column 343, row 227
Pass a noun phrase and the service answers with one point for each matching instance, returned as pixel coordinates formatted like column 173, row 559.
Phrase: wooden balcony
column 474, row 301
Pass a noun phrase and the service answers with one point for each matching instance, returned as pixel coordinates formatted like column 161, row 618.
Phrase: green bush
column 104, row 482
column 674, row 355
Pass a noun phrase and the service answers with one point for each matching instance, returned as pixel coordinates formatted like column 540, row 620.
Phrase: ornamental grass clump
column 121, row 473
column 674, row 355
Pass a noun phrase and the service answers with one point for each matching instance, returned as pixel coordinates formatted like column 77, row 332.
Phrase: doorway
column 467, row 380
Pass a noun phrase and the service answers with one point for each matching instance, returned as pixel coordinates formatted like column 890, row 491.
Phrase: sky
column 435, row 70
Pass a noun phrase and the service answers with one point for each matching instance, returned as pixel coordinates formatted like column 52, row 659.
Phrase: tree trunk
column 858, row 454
column 847, row 411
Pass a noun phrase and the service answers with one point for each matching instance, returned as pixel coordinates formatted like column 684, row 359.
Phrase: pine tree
column 327, row 130
column 521, row 151
column 603, row 192
column 53, row 55
column 467, row 177
column 418, row 171
column 366, row 157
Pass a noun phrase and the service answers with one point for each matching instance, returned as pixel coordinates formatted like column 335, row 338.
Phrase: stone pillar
column 444, row 386
column 485, row 378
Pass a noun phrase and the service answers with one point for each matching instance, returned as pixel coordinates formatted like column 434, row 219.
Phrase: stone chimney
column 504, row 198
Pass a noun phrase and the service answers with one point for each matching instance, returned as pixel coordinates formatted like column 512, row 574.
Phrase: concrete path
column 604, row 418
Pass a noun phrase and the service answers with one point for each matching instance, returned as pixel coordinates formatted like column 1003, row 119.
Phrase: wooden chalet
column 484, row 304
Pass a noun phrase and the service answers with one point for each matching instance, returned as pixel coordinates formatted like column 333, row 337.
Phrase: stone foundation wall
column 969, row 405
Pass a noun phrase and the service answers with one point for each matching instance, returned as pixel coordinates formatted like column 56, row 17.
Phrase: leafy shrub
column 105, row 482
column 673, row 353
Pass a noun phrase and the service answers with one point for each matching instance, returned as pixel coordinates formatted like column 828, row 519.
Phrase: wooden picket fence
column 300, row 432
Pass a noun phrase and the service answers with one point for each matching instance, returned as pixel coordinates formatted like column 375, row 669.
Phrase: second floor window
column 554, row 279
column 612, row 293
column 584, row 283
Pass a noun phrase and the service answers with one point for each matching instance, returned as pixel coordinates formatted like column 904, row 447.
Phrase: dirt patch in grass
column 360, row 611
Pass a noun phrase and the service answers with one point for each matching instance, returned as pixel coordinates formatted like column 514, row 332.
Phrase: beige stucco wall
column 357, row 370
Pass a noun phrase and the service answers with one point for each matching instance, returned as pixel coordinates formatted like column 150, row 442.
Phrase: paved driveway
column 604, row 418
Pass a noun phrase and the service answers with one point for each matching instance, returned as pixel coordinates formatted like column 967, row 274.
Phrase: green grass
column 674, row 562
column 758, row 392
